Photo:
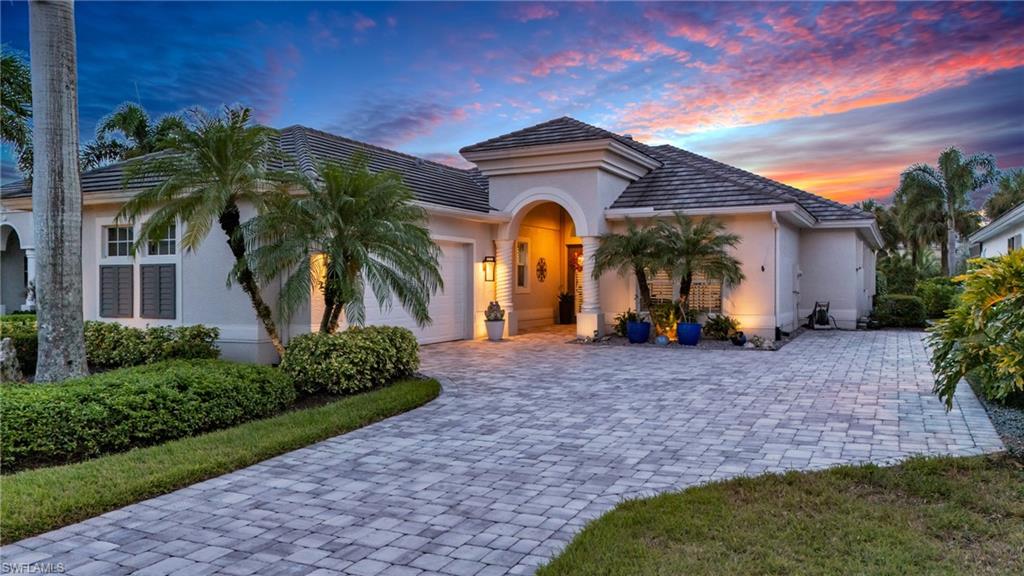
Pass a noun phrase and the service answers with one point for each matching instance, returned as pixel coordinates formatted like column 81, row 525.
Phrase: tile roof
column 109, row 178
column 429, row 181
column 557, row 131
column 687, row 181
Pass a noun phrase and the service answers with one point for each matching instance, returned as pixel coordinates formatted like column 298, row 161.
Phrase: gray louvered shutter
column 116, row 291
column 158, row 290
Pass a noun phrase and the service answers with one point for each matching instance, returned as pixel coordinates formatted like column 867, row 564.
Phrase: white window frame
column 527, row 284
column 173, row 238
column 105, row 243
column 141, row 256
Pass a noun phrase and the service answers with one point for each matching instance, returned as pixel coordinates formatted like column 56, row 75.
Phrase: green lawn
column 35, row 501
column 927, row 516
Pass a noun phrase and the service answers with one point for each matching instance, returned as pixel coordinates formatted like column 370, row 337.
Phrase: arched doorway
column 13, row 271
column 547, row 279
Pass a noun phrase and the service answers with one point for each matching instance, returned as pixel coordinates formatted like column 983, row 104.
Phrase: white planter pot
column 495, row 329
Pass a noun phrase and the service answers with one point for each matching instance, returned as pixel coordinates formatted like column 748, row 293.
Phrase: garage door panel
column 448, row 307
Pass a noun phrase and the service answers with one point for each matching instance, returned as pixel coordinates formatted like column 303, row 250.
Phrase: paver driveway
column 530, row 439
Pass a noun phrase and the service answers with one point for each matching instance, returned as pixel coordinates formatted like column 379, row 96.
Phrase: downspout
column 775, row 269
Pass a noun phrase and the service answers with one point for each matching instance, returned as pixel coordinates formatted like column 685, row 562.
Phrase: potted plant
column 566, row 307
column 495, row 320
column 638, row 331
column 688, row 329
column 687, row 248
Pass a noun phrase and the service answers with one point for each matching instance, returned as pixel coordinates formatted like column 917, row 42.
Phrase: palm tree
column 893, row 236
column 1009, row 194
column 931, row 194
column 16, row 106
column 213, row 164
column 129, row 132
column 56, row 192
column 354, row 228
column 688, row 248
column 634, row 252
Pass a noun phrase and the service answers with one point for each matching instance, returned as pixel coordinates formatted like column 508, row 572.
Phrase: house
column 534, row 207
column 1000, row 235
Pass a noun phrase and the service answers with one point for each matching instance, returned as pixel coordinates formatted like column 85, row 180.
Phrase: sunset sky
column 832, row 98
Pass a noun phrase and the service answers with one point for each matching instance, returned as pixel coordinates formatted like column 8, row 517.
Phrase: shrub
column 900, row 310
column 938, row 294
column 111, row 345
column 123, row 409
column 720, row 327
column 21, row 329
column 985, row 331
column 622, row 321
column 900, row 274
column 351, row 361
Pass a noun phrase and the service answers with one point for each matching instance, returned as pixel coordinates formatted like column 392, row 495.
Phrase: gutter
column 471, row 215
column 775, row 268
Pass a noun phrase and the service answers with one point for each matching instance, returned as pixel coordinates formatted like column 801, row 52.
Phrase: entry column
column 30, row 276
column 590, row 320
column 504, row 268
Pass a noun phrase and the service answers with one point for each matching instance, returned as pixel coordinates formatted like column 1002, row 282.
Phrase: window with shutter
column 158, row 293
column 705, row 293
column 116, row 291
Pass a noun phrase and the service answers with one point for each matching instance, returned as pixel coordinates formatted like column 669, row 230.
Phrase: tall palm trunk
column 56, row 191
column 230, row 222
column 949, row 246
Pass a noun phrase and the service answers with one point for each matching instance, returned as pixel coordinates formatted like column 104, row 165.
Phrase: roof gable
column 688, row 181
column 558, row 131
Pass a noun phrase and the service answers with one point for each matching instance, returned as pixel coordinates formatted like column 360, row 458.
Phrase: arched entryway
column 13, row 271
column 542, row 253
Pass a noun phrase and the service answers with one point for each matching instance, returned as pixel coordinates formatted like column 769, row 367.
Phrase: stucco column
column 504, row 267
column 590, row 320
column 30, row 286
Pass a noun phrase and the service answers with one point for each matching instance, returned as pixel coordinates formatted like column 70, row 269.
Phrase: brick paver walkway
column 530, row 439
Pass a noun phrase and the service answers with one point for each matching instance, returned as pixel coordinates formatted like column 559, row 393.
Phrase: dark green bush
column 351, row 361
column 44, row 424
column 938, row 294
column 719, row 327
column 900, row 275
column 21, row 329
column 899, row 311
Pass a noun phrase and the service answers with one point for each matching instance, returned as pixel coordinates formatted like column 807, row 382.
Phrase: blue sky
column 834, row 98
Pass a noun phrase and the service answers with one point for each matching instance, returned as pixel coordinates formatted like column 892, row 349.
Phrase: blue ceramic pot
column 638, row 332
column 739, row 338
column 688, row 333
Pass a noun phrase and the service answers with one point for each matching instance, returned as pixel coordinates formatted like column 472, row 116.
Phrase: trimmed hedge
column 938, row 294
column 111, row 345
column 900, row 311
column 352, row 361
column 46, row 424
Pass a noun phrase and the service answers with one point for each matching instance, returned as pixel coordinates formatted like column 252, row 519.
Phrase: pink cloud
column 363, row 23
column 558, row 62
column 530, row 12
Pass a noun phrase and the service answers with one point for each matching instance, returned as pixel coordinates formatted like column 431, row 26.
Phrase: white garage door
column 449, row 309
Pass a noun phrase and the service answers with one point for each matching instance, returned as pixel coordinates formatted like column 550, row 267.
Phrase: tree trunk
column 56, row 191
column 684, row 294
column 230, row 223
column 944, row 245
column 949, row 258
column 644, row 288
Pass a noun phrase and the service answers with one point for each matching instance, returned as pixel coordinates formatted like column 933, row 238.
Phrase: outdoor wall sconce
column 488, row 268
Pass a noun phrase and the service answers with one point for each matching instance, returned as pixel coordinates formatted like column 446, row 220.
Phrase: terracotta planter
column 495, row 329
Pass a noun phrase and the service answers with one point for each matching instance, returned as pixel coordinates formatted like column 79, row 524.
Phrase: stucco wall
column 751, row 302
column 789, row 276
column 996, row 245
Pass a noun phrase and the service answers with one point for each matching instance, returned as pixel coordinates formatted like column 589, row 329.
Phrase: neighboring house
column 1000, row 235
column 536, row 202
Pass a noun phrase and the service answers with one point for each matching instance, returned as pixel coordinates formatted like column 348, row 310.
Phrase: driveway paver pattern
column 531, row 439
